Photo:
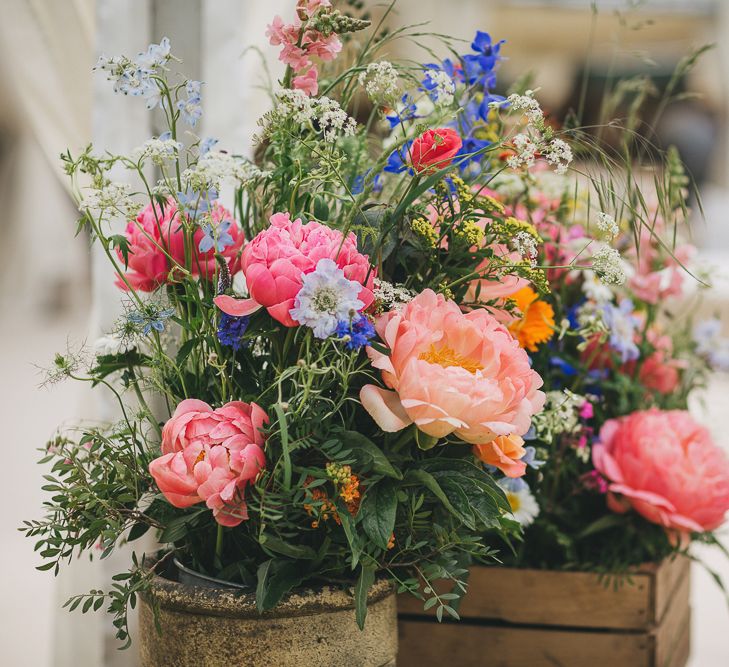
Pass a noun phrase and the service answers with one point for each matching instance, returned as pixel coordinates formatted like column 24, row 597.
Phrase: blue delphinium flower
column 530, row 458
column 218, row 238
column 407, row 111
column 358, row 184
column 567, row 368
column 479, row 67
column 231, row 330
column 622, row 325
column 152, row 320
column 191, row 108
column 193, row 203
column 397, row 162
column 206, row 145
column 357, row 332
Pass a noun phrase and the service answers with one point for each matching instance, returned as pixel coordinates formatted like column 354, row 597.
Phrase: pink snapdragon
column 276, row 260
column 308, row 82
column 210, row 456
column 666, row 467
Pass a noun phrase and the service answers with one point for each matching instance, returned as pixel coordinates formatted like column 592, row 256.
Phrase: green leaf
column 603, row 523
column 284, row 445
column 120, row 243
column 430, row 483
column 349, row 531
column 276, row 577
column 368, row 452
column 361, row 589
column 378, row 512
column 279, row 546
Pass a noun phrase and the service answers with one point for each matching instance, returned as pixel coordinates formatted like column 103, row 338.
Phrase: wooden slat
column 672, row 636
column 543, row 597
column 428, row 644
column 669, row 577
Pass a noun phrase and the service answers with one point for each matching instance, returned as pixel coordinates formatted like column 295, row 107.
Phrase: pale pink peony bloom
column 157, row 243
column 451, row 373
column 210, row 456
column 276, row 260
column 666, row 467
column 308, row 82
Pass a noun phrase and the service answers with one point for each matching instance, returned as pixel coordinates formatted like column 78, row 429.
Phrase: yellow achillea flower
column 536, row 324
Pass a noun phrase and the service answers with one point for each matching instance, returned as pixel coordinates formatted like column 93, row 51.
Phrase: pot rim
column 236, row 603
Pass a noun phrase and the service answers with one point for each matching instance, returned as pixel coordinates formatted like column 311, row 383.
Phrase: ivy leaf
column 378, row 512
column 361, row 589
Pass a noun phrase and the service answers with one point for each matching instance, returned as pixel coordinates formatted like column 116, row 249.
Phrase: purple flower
column 357, row 332
column 231, row 330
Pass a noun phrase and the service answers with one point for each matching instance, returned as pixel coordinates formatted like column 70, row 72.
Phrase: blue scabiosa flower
column 218, row 237
column 231, row 330
column 622, row 325
column 355, row 332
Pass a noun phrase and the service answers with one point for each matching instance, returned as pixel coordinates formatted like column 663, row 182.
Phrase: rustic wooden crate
column 533, row 618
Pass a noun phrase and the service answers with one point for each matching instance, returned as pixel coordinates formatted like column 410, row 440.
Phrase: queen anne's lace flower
column 158, row 150
column 441, row 87
column 380, row 82
column 296, row 105
column 112, row 196
column 608, row 264
column 326, row 298
column 607, row 226
column 559, row 154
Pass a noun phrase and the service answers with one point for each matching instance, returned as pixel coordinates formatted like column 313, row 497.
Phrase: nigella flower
column 218, row 238
column 355, row 332
column 231, row 330
column 622, row 325
column 326, row 298
column 152, row 320
column 524, row 506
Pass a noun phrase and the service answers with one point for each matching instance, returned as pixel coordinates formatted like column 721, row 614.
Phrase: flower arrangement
column 331, row 361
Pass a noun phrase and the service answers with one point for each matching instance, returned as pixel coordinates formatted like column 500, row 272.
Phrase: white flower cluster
column 116, row 196
column 112, row 344
column 391, row 296
column 217, row 167
column 594, row 289
column 380, row 82
column 304, row 110
column 561, row 414
column 607, row 226
column 607, row 264
column 443, row 88
column 158, row 150
column 559, row 154
column 526, row 245
column 528, row 105
column 526, row 151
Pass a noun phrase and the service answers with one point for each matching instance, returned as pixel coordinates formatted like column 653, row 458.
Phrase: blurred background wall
column 52, row 290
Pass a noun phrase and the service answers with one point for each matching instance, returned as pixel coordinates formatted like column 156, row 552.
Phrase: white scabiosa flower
column 326, row 298
column 524, row 506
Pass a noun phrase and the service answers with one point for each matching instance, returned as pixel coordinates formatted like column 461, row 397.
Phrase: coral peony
column 210, row 456
column 666, row 467
column 451, row 372
column 157, row 242
column 505, row 453
column 278, row 258
column 434, row 149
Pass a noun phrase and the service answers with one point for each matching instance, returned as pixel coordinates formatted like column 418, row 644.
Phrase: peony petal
column 236, row 307
column 384, row 407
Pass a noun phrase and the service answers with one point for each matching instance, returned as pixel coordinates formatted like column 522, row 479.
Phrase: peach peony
column 276, row 260
column 504, row 453
column 210, row 456
column 451, row 372
column 666, row 467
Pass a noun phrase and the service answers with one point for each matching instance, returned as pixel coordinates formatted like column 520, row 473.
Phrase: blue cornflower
column 360, row 180
column 356, row 332
column 405, row 113
column 231, row 330
column 398, row 160
column 218, row 238
column 153, row 320
column 622, row 325
column 206, row 145
column 192, row 202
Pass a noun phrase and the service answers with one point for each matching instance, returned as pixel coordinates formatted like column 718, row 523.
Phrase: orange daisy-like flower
column 536, row 324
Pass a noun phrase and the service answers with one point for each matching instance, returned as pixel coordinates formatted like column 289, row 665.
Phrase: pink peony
column 451, row 372
column 666, row 467
column 210, row 456
column 275, row 262
column 156, row 242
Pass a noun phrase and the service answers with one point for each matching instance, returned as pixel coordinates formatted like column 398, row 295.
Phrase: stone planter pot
column 220, row 627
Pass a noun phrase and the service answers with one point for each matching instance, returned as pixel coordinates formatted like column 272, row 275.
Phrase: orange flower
column 505, row 453
column 536, row 324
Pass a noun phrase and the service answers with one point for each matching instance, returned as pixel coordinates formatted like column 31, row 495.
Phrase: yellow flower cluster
column 348, row 489
column 425, row 231
column 470, row 232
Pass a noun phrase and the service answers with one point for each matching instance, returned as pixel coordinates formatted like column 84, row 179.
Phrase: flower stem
column 219, row 547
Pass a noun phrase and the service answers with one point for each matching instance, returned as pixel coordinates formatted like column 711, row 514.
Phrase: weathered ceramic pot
column 220, row 627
